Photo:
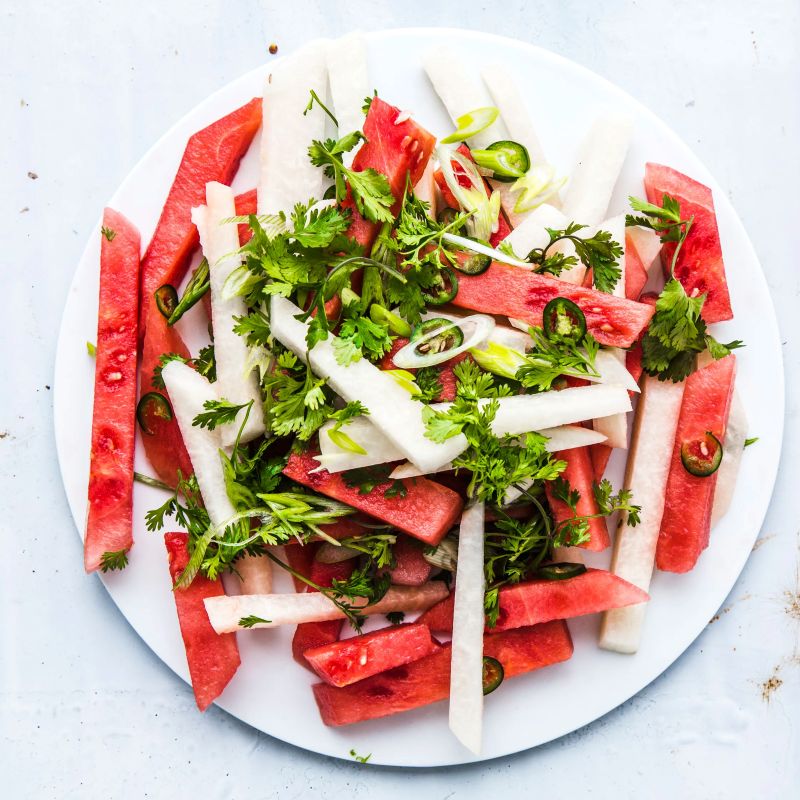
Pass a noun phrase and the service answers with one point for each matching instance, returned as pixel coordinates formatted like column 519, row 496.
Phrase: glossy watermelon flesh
column 411, row 568
column 109, row 521
column 635, row 272
column 686, row 522
column 580, row 475
column 211, row 154
column 396, row 150
column 521, row 294
column 344, row 662
column 315, row 634
column 535, row 601
column 428, row 680
column 427, row 511
column 700, row 267
column 503, row 228
column 213, row 659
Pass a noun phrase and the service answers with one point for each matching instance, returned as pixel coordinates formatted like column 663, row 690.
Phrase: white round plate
column 270, row 691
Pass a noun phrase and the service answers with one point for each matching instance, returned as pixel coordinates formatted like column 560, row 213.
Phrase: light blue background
column 85, row 709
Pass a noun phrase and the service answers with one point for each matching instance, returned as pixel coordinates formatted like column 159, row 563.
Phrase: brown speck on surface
column 32, row 175
column 4, row 434
column 273, row 48
column 761, row 540
column 24, row 210
column 771, row 685
column 792, row 604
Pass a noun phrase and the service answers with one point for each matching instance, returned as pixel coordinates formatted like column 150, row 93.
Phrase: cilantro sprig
column 599, row 252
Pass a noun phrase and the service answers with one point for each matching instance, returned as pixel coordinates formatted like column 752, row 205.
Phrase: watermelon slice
column 396, row 150
column 519, row 294
column 343, row 663
column 212, row 154
column 213, row 658
column 246, row 204
column 428, row 680
column 700, row 267
column 411, row 568
column 109, row 521
column 536, row 601
column 580, row 475
column 316, row 634
column 300, row 557
column 686, row 523
column 423, row 508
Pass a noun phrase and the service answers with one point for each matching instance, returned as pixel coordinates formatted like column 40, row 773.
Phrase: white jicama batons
column 287, row 174
column 591, row 185
column 515, row 416
column 349, row 81
column 466, row 660
column 646, row 476
column 188, row 390
column 391, row 408
column 733, row 449
column 224, row 613
column 235, row 382
column 615, row 426
column 531, row 233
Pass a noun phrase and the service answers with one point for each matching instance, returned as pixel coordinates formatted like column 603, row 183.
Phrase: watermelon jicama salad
column 424, row 347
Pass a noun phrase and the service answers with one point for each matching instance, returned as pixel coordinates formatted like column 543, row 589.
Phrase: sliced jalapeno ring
column 444, row 290
column 472, row 263
column 702, row 456
column 493, row 674
column 507, row 159
column 152, row 406
column 562, row 319
column 449, row 337
column 166, row 299
column 560, row 571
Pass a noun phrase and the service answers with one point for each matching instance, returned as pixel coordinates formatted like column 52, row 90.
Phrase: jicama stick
column 466, row 664
column 532, row 233
column 615, row 426
column 293, row 609
column 220, row 247
column 349, row 81
column 255, row 574
column 733, row 449
column 391, row 408
column 599, row 163
column 509, row 100
column 515, row 416
column 109, row 518
column 287, row 175
column 646, row 477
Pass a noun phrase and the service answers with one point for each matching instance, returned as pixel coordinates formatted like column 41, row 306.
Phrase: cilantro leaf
column 114, row 560
column 219, row 412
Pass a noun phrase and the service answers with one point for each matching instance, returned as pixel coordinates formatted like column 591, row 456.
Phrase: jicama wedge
column 521, row 295
column 428, row 680
column 425, row 189
column 564, row 437
column 188, row 390
column 255, row 574
column 600, row 160
column 109, row 519
column 391, row 408
column 615, row 426
column 646, row 477
column 346, row 662
column 234, row 382
column 213, row 660
column 512, row 106
column 287, row 174
column 466, row 664
column 225, row 613
column 733, row 447
column 349, row 82
column 686, row 523
column 423, row 508
column 458, row 93
column 515, row 415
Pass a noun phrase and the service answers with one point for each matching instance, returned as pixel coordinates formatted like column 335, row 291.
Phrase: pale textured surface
column 86, row 710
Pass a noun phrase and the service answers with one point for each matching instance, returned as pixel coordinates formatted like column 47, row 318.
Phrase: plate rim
column 771, row 333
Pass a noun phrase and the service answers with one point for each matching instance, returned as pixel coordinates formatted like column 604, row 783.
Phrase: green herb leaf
column 109, row 233
column 114, row 560
column 218, row 412
column 251, row 620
